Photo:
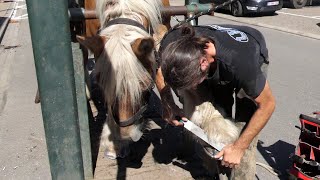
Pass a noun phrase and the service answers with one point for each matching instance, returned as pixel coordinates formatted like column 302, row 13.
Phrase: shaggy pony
column 122, row 76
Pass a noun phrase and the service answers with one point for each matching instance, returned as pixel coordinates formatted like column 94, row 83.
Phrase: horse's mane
column 133, row 9
column 120, row 73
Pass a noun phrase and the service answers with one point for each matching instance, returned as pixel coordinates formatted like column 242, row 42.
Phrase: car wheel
column 236, row 9
column 297, row 4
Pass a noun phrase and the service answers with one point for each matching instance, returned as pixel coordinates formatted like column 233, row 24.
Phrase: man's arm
column 168, row 104
column 233, row 153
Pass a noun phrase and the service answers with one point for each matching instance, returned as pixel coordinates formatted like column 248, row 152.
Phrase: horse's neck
column 90, row 4
column 158, row 35
column 92, row 25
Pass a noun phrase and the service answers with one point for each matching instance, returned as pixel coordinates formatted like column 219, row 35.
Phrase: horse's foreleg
column 113, row 148
column 107, row 144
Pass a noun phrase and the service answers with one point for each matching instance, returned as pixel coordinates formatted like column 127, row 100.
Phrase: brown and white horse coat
column 124, row 53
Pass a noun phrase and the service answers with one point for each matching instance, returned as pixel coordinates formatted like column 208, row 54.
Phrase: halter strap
column 126, row 21
column 138, row 115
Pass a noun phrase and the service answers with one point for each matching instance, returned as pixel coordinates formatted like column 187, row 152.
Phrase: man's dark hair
column 180, row 60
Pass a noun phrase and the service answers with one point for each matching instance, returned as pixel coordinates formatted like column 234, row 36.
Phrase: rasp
column 196, row 130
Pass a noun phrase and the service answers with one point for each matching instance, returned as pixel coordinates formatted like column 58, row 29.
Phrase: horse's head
column 125, row 64
column 124, row 70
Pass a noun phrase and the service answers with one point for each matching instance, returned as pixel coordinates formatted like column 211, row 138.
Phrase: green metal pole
column 190, row 9
column 82, row 111
column 50, row 33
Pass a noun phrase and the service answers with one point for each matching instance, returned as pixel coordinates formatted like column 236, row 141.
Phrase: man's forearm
column 160, row 83
column 164, row 90
column 167, row 100
column 256, row 124
column 266, row 106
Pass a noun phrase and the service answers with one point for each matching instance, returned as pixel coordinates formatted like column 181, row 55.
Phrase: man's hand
column 170, row 114
column 170, row 109
column 232, row 155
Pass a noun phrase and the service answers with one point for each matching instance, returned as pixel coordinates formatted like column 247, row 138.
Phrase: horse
column 124, row 51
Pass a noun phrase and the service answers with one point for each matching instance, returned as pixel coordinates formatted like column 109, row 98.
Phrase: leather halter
column 126, row 21
column 139, row 114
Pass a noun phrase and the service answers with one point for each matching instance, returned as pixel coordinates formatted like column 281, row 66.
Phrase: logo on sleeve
column 234, row 33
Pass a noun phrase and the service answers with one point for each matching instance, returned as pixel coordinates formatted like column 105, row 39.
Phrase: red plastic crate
column 306, row 160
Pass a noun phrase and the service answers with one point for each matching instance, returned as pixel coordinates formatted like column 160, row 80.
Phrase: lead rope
column 175, row 18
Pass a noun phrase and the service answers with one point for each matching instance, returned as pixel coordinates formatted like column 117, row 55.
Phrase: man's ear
column 204, row 64
column 211, row 49
column 95, row 44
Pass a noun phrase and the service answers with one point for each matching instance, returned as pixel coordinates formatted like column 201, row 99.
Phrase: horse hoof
column 124, row 152
column 110, row 155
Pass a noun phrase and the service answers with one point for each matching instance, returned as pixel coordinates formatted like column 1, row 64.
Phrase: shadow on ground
column 2, row 19
column 277, row 156
column 168, row 146
column 172, row 146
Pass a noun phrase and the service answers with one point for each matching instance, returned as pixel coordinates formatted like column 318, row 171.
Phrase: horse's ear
column 142, row 47
column 94, row 44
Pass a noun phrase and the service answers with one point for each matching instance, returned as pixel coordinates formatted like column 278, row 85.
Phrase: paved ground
column 6, row 11
column 23, row 153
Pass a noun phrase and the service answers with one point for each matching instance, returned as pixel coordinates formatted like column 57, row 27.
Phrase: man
column 217, row 62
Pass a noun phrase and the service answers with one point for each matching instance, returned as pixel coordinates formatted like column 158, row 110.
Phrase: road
column 23, row 153
column 293, row 75
column 304, row 22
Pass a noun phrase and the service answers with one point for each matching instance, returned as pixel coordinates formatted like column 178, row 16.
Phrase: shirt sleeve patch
column 233, row 33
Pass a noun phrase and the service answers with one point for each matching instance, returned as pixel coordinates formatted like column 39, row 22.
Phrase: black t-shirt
column 240, row 51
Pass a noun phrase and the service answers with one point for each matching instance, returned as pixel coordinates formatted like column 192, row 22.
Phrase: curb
column 295, row 32
column 5, row 24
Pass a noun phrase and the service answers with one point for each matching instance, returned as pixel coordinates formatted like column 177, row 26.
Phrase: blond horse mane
column 120, row 73
column 133, row 9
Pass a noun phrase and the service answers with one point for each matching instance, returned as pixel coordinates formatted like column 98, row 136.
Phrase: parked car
column 297, row 4
column 243, row 7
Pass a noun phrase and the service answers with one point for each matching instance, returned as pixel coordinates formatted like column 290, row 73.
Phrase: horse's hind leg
column 97, row 98
column 37, row 98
